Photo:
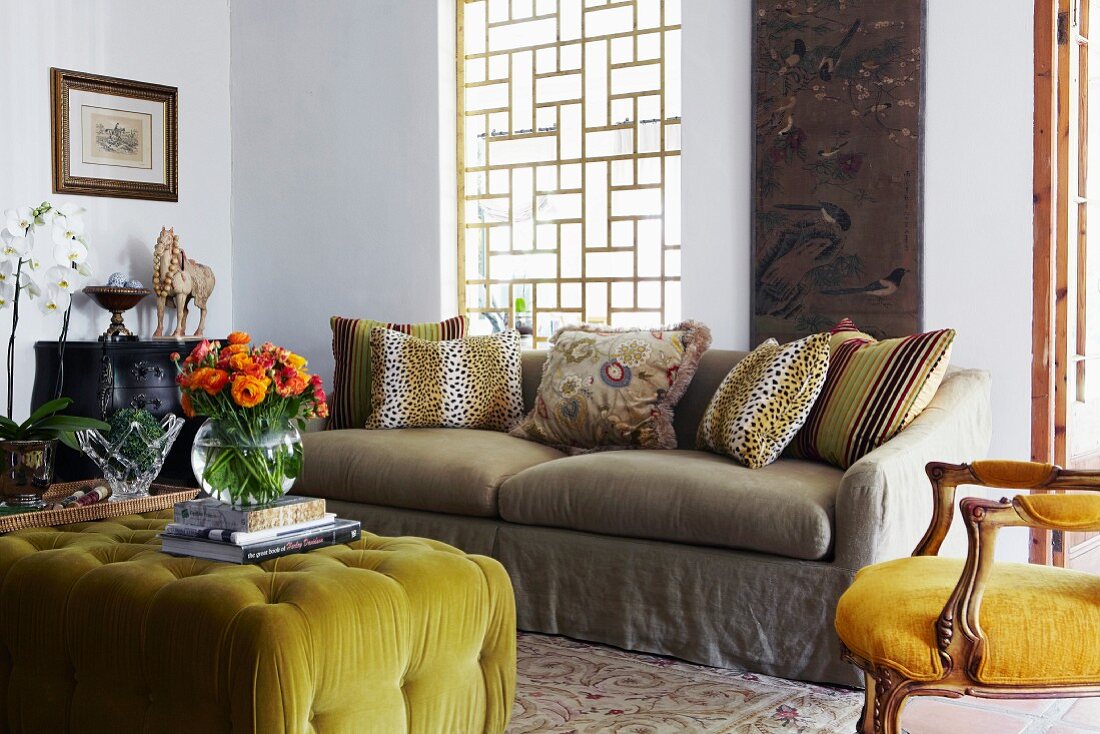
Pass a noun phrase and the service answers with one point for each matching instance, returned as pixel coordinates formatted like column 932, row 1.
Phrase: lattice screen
column 569, row 161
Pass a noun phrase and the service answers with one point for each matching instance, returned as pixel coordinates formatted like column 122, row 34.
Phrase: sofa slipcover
column 454, row 471
column 694, row 497
column 698, row 598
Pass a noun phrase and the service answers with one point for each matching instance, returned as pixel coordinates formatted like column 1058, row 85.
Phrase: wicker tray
column 164, row 497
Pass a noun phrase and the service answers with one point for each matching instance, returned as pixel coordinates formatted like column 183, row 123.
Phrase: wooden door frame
column 1049, row 140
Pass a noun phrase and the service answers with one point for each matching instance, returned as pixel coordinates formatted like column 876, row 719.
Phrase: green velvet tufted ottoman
column 100, row 632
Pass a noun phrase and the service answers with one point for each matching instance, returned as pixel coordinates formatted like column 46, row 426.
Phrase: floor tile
column 1029, row 706
column 937, row 716
column 1086, row 711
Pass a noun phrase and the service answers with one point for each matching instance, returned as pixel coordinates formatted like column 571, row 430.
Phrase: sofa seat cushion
column 785, row 508
column 456, row 471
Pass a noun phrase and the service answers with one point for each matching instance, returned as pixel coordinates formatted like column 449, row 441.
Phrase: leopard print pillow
column 460, row 383
column 764, row 400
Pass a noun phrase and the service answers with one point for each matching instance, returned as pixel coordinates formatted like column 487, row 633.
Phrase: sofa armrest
column 884, row 502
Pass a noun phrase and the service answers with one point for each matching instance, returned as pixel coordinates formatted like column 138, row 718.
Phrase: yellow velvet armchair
column 932, row 626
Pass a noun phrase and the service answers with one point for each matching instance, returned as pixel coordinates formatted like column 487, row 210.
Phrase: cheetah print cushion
column 614, row 389
column 460, row 383
column 764, row 400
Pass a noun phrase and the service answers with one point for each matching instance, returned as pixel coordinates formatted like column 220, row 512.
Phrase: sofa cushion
column 764, row 400
column 874, row 389
column 351, row 382
column 456, row 471
column 694, row 497
column 606, row 388
column 458, row 383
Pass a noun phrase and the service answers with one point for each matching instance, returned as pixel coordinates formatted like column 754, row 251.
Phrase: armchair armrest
column 959, row 635
column 883, row 503
column 1052, row 511
column 1070, row 512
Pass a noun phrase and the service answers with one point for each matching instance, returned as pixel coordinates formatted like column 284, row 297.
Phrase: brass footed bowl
column 117, row 300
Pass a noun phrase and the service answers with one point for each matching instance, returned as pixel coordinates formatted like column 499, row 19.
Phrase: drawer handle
column 139, row 401
column 141, row 370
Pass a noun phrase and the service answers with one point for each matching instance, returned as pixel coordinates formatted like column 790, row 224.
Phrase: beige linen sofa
column 679, row 552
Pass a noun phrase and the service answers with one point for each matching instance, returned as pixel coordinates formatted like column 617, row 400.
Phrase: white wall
column 337, row 165
column 977, row 187
column 337, row 161
column 164, row 41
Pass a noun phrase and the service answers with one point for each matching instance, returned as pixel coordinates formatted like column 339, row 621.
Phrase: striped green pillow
column 350, row 404
column 873, row 390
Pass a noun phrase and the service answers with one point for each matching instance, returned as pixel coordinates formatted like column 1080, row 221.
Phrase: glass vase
column 245, row 469
column 130, row 461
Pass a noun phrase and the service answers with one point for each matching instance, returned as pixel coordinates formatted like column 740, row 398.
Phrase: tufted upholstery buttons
column 264, row 647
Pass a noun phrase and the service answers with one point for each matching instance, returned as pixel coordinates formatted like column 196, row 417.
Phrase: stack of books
column 216, row 531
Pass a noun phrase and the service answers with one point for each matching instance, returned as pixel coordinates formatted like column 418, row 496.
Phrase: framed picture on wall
column 114, row 137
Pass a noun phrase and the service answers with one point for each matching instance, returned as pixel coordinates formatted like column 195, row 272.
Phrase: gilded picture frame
column 114, row 137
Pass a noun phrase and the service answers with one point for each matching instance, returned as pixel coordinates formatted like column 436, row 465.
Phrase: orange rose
column 185, row 403
column 239, row 337
column 215, row 381
column 234, row 349
column 248, row 391
column 198, row 377
column 239, row 362
column 296, row 361
column 290, row 382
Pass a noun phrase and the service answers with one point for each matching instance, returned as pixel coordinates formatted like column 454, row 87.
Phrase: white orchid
column 7, row 272
column 67, row 229
column 16, row 246
column 68, row 252
column 18, row 221
column 67, row 209
column 55, row 301
column 45, row 214
column 65, row 278
column 7, row 294
column 29, row 287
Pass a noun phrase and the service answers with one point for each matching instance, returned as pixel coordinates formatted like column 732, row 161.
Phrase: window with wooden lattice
column 569, row 163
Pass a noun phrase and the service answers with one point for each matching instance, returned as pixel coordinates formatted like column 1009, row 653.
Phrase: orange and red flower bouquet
column 249, row 451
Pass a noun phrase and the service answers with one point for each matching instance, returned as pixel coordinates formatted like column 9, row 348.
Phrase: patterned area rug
column 565, row 686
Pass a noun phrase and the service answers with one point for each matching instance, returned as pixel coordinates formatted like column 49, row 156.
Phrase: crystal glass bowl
column 128, row 478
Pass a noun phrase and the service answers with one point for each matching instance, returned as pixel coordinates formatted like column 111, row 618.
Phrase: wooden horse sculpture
column 177, row 280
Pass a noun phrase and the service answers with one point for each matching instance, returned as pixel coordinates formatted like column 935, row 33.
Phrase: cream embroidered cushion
column 605, row 389
column 764, row 400
column 461, row 383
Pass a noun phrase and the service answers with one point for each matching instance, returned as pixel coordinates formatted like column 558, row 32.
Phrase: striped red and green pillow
column 873, row 390
column 350, row 404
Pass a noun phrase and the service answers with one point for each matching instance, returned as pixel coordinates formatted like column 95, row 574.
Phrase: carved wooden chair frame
column 960, row 639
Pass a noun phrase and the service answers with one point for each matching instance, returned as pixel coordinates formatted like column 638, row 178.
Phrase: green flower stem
column 247, row 471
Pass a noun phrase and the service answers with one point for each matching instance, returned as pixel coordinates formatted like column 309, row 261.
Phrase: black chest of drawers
column 102, row 377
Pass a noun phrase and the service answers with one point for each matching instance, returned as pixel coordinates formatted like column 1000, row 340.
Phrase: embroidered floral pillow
column 614, row 389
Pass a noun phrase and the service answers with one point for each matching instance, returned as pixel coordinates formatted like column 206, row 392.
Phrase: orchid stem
column 11, row 339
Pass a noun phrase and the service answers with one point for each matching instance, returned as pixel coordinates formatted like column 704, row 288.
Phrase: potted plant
column 27, row 448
